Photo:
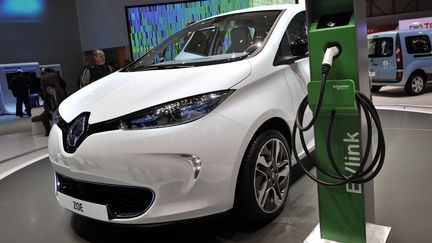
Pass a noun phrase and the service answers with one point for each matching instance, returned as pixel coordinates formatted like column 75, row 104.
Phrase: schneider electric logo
column 339, row 87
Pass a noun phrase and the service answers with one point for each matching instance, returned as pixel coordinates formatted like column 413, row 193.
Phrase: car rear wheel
column 415, row 84
column 264, row 178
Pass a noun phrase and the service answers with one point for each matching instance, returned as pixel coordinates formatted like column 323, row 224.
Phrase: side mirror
column 252, row 48
column 298, row 50
column 299, row 47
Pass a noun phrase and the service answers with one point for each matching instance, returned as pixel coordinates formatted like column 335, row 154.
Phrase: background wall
column 48, row 38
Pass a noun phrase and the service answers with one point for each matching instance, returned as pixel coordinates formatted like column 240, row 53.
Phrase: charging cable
column 330, row 53
column 365, row 172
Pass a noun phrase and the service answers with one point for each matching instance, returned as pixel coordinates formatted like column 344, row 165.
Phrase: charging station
column 339, row 96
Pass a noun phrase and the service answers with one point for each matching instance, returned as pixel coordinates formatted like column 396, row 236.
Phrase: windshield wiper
column 160, row 67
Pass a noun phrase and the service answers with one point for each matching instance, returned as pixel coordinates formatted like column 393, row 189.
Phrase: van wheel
column 416, row 84
column 264, row 179
column 376, row 88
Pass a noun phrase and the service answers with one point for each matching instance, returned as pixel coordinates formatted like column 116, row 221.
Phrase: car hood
column 122, row 93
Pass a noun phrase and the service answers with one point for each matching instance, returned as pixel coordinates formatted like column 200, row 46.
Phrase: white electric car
column 198, row 126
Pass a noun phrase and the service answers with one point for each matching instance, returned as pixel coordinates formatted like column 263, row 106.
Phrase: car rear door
column 382, row 58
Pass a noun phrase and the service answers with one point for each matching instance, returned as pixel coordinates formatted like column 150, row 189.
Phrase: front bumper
column 161, row 160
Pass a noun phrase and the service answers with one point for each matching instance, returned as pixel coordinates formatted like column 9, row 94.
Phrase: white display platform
column 37, row 127
column 374, row 234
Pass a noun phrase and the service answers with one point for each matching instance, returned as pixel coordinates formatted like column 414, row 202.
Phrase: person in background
column 51, row 74
column 53, row 96
column 96, row 71
column 35, row 83
column 20, row 89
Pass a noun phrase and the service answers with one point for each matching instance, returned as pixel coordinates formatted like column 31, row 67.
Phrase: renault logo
column 76, row 131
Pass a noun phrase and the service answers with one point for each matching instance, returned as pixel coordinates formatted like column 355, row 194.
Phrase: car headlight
column 176, row 112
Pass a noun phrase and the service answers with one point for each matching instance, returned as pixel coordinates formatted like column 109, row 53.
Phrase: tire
column 263, row 182
column 376, row 88
column 415, row 84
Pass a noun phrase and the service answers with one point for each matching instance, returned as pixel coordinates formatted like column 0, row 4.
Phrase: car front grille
column 121, row 201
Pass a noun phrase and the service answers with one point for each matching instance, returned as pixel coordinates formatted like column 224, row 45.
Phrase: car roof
column 401, row 32
column 264, row 8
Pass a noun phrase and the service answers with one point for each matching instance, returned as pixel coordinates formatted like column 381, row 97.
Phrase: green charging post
column 339, row 97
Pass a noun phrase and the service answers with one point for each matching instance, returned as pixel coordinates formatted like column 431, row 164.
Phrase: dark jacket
column 51, row 102
column 20, row 85
column 53, row 78
column 93, row 73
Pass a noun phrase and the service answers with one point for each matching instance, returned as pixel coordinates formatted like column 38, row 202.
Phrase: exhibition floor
column 30, row 212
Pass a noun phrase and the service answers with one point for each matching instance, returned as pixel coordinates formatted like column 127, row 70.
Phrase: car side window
column 295, row 37
column 380, row 47
column 418, row 44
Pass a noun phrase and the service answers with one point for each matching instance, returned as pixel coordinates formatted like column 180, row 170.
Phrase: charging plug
column 329, row 55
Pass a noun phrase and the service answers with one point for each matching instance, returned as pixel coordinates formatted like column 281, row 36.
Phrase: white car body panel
column 116, row 94
column 152, row 158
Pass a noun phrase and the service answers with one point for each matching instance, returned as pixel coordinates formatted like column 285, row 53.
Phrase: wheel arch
column 420, row 71
column 276, row 123
column 412, row 69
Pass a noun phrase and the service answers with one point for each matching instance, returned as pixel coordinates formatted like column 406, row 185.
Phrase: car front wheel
column 264, row 178
column 415, row 84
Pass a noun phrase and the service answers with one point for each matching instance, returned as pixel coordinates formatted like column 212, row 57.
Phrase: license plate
column 92, row 210
column 372, row 74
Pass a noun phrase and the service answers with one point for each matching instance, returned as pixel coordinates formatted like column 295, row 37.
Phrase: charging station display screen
column 334, row 20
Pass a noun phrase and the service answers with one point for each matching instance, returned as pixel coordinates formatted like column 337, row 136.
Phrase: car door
column 296, row 71
column 382, row 58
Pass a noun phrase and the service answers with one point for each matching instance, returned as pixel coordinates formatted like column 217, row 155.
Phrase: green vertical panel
column 341, row 209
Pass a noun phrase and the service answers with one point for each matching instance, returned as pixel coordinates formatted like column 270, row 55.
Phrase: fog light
column 195, row 161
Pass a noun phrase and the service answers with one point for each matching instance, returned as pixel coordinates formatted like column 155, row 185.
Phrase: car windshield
column 217, row 40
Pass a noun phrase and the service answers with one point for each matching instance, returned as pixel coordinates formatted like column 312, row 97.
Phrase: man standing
column 97, row 71
column 20, row 89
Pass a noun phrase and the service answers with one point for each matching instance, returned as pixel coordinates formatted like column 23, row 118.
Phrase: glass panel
column 380, row 47
column 418, row 44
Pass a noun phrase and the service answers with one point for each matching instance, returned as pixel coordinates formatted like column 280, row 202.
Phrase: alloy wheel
column 417, row 84
column 272, row 175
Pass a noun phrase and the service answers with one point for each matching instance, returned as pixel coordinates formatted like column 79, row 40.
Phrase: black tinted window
column 418, row 44
column 296, row 33
column 380, row 47
column 297, row 29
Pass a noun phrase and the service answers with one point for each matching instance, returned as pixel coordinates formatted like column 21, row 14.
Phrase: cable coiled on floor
column 365, row 172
